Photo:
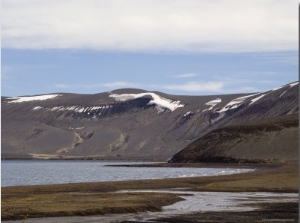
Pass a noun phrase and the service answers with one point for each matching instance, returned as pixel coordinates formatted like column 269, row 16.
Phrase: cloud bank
column 151, row 25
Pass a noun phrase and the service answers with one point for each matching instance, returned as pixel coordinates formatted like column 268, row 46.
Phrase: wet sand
column 267, row 178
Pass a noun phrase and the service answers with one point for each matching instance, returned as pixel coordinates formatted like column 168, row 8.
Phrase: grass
column 82, row 204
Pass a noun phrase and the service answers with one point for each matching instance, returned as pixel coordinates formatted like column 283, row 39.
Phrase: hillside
column 272, row 140
column 128, row 124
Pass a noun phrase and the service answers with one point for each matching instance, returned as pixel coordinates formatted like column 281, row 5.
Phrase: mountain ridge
column 128, row 123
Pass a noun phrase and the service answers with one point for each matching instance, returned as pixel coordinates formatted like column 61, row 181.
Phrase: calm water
column 20, row 172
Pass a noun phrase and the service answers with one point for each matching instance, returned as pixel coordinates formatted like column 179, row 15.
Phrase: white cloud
column 62, row 86
column 197, row 86
column 188, row 75
column 151, row 25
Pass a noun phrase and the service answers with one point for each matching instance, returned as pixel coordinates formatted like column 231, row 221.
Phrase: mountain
column 128, row 124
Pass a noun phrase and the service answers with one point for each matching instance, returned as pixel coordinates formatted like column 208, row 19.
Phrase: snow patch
column 291, row 85
column 282, row 94
column 76, row 109
column 275, row 89
column 32, row 98
column 159, row 109
column 294, row 84
column 213, row 103
column 257, row 98
column 37, row 108
column 235, row 103
column 76, row 128
column 188, row 113
column 156, row 100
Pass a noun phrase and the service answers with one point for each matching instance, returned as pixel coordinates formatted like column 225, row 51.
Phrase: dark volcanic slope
column 128, row 123
column 270, row 140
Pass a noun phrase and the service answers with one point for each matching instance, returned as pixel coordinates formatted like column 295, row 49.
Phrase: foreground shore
column 89, row 199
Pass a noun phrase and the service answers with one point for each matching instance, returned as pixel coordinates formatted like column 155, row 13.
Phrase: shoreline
column 256, row 166
column 266, row 178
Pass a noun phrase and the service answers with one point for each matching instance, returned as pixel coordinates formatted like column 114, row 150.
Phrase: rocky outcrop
column 128, row 123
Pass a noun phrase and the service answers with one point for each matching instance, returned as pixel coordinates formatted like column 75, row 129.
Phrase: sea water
column 38, row 172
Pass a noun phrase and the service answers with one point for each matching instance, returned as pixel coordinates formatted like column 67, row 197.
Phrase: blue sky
column 185, row 47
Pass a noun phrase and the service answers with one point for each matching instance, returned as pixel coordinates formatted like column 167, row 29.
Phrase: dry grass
column 285, row 179
column 69, row 204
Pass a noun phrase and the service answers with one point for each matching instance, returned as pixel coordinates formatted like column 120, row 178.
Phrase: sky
column 182, row 47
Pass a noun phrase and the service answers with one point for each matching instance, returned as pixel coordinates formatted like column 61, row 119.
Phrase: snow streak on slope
column 32, row 98
column 290, row 85
column 95, row 110
column 156, row 99
column 213, row 103
column 294, row 84
column 275, row 89
column 188, row 114
column 235, row 103
column 256, row 99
